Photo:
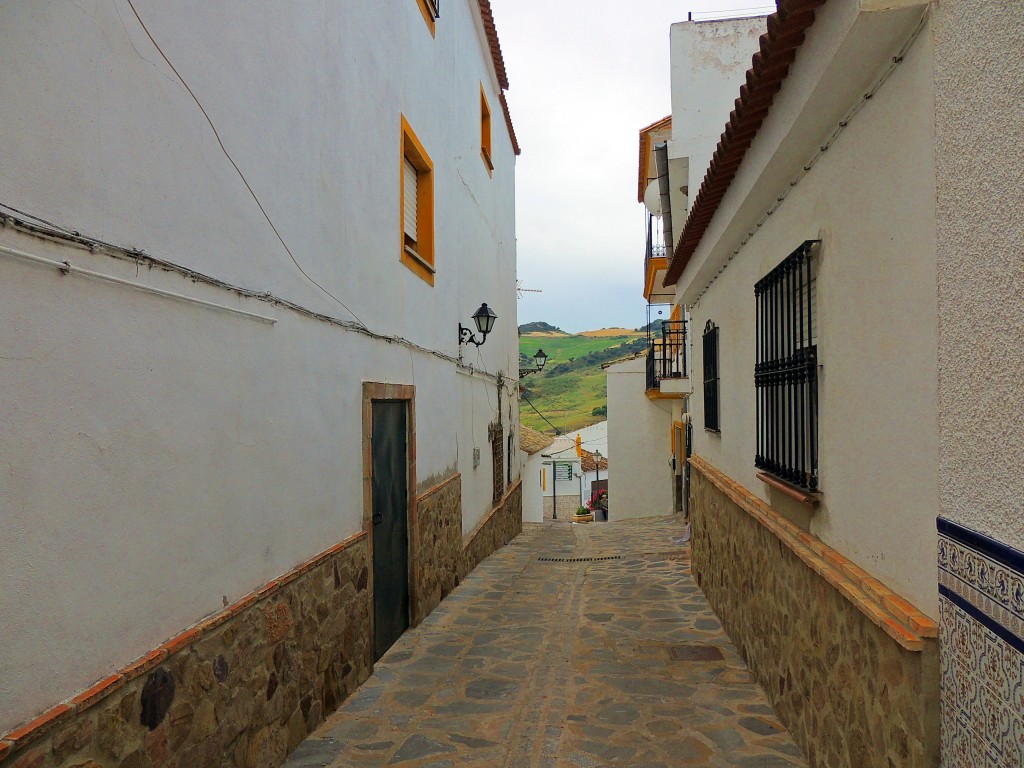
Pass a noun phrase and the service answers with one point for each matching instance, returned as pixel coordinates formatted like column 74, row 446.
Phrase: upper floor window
column 417, row 209
column 485, row 131
column 710, row 350
column 786, row 373
column 431, row 10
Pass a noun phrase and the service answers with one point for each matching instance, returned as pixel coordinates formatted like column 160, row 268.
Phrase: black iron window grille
column 433, row 7
column 497, row 439
column 666, row 352
column 786, row 373
column 710, row 345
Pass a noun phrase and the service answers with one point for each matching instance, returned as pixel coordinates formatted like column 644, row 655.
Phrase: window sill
column 804, row 497
column 419, row 266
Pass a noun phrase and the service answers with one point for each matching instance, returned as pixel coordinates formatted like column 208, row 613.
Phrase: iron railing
column 786, row 373
column 657, row 248
column 434, row 7
column 666, row 352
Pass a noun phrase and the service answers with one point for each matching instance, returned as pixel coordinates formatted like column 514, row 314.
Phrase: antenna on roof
column 520, row 290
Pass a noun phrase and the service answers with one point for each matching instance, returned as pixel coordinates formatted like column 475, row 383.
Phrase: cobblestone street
column 576, row 645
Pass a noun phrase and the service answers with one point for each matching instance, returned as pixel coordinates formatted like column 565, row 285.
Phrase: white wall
column 980, row 244
column 870, row 198
column 709, row 60
column 533, row 499
column 592, row 438
column 638, row 428
column 160, row 458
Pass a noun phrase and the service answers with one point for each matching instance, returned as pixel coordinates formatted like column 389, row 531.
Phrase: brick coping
column 439, row 486
column 38, row 726
column 901, row 620
column 468, row 538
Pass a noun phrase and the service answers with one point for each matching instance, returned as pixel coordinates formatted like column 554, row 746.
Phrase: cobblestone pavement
column 541, row 659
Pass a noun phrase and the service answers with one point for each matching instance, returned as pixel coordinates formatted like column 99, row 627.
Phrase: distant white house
column 531, row 446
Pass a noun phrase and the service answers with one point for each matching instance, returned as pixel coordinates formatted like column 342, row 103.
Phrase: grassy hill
column 572, row 384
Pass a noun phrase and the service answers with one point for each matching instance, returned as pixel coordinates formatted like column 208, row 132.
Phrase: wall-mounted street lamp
column 484, row 319
column 538, row 361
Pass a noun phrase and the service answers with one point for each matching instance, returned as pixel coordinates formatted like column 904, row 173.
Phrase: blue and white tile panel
column 981, row 637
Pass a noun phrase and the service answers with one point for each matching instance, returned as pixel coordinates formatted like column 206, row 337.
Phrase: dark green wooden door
column 390, row 524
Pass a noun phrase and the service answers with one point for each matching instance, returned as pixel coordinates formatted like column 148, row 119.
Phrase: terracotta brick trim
column 63, row 712
column 901, row 620
column 434, row 489
column 467, row 540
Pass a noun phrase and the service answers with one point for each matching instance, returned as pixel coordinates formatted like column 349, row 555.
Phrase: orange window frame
column 427, row 9
column 486, row 148
column 419, row 256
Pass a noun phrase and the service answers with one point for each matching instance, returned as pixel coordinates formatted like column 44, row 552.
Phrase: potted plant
column 583, row 515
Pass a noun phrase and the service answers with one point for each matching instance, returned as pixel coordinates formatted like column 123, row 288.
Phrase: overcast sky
column 584, row 77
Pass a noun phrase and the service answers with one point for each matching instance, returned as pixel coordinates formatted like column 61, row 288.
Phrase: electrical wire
column 62, row 235
column 231, row 160
column 557, row 430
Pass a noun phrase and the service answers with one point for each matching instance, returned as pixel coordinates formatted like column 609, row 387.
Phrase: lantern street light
column 538, row 361
column 484, row 319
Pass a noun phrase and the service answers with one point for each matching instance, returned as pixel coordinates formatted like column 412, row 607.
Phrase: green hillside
column 572, row 385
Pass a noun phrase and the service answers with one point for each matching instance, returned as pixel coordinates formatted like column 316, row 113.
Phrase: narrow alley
column 575, row 645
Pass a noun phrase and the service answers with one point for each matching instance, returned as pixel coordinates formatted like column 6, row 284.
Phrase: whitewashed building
column 244, row 436
column 532, row 444
column 647, row 396
column 850, row 262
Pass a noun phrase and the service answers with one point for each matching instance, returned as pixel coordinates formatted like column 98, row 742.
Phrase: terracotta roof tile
column 532, row 441
column 491, row 33
column 769, row 68
column 587, row 462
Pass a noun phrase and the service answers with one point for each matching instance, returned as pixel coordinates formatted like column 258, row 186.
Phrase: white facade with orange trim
column 169, row 444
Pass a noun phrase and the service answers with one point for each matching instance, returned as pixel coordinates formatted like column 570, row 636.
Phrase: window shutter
column 411, row 177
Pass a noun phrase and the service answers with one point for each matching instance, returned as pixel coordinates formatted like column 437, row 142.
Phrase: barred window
column 786, row 373
column 711, row 421
column 497, row 438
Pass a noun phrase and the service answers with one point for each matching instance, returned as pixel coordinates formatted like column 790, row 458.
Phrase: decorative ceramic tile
column 981, row 635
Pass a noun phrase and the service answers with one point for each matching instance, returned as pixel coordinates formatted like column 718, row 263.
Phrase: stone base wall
column 241, row 689
column 503, row 524
column 567, row 506
column 437, row 556
column 851, row 668
column 245, row 686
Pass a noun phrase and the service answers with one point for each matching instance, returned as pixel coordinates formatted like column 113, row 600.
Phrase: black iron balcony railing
column 654, row 250
column 666, row 353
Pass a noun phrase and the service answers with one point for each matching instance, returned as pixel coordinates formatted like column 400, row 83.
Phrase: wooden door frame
column 377, row 391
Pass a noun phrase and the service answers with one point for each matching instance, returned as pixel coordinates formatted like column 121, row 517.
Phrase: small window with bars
column 497, row 440
column 711, row 421
column 786, row 372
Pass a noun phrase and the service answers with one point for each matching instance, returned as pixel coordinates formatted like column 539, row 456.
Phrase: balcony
column 666, row 361
column 656, row 258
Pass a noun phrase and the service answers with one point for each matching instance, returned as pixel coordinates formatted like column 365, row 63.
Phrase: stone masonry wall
column 851, row 668
column 244, row 687
column 503, row 524
column 438, row 555
column 567, row 506
column 241, row 689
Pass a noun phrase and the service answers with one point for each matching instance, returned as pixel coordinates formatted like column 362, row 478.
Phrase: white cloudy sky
column 584, row 77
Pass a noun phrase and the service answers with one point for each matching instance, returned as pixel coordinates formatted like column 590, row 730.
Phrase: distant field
column 568, row 398
column 601, row 332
